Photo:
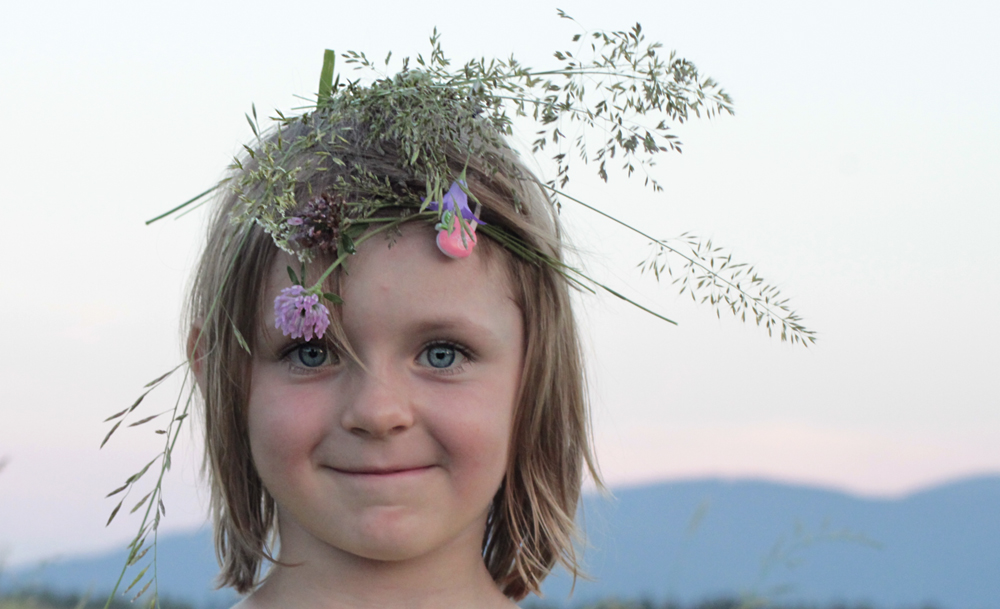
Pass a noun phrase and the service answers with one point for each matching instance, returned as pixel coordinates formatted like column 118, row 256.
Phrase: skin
column 383, row 470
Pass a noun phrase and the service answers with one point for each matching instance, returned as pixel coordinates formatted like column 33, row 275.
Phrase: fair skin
column 383, row 471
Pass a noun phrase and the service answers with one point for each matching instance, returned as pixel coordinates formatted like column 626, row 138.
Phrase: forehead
column 422, row 285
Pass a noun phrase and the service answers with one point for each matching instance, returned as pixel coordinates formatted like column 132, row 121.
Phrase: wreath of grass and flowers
column 616, row 88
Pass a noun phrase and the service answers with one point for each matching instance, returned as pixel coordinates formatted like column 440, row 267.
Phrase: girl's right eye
column 311, row 355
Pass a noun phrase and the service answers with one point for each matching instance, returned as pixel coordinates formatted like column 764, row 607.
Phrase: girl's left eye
column 442, row 356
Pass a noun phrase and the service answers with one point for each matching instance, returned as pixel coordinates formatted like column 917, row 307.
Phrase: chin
column 402, row 539
column 392, row 546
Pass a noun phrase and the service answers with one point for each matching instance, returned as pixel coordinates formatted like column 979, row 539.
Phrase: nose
column 379, row 406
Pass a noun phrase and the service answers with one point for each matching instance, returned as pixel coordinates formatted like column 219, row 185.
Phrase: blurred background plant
column 45, row 599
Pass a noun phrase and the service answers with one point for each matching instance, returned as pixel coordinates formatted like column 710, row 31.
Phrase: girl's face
column 398, row 457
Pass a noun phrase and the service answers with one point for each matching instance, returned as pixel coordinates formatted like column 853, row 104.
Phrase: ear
column 196, row 354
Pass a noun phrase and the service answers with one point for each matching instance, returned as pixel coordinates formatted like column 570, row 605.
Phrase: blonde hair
column 530, row 525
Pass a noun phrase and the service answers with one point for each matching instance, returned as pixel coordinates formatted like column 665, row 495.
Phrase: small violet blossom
column 456, row 201
column 299, row 313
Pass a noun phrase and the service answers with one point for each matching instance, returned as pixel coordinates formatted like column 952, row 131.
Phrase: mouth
column 384, row 472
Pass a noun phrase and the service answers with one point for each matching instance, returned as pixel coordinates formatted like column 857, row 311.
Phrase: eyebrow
column 460, row 324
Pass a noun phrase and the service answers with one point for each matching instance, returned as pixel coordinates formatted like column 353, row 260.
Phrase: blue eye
column 312, row 356
column 441, row 356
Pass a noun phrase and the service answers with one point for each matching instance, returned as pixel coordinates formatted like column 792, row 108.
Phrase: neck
column 316, row 575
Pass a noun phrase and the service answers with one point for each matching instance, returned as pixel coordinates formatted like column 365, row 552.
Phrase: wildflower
column 454, row 208
column 298, row 313
column 456, row 243
column 455, row 201
column 319, row 222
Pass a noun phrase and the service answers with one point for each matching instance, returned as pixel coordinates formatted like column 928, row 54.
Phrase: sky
column 860, row 174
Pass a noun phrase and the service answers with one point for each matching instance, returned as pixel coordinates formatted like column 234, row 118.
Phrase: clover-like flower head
column 298, row 313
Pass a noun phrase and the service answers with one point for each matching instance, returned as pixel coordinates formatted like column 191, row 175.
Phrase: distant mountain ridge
column 694, row 540
column 700, row 539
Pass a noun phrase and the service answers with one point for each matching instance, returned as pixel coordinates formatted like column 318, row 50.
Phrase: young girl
column 382, row 334
column 427, row 448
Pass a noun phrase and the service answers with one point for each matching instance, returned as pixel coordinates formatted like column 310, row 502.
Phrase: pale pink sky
column 860, row 173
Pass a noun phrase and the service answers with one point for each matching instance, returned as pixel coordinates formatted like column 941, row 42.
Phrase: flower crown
column 614, row 85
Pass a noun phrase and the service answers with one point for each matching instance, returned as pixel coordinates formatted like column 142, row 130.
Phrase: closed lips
column 380, row 471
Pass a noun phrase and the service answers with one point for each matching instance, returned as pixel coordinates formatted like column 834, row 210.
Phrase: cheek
column 477, row 439
column 283, row 427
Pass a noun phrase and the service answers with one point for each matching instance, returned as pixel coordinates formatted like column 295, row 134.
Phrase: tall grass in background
column 45, row 599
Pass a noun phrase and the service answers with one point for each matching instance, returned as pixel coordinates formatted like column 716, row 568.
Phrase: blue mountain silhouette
column 691, row 541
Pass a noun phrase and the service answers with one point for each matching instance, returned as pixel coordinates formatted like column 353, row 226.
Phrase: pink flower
column 456, row 244
column 299, row 314
column 457, row 230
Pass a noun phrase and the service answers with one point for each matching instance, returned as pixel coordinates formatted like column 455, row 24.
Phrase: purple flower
column 456, row 201
column 299, row 314
column 318, row 223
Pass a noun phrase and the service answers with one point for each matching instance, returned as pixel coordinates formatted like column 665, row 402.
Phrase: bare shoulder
column 246, row 603
column 262, row 597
